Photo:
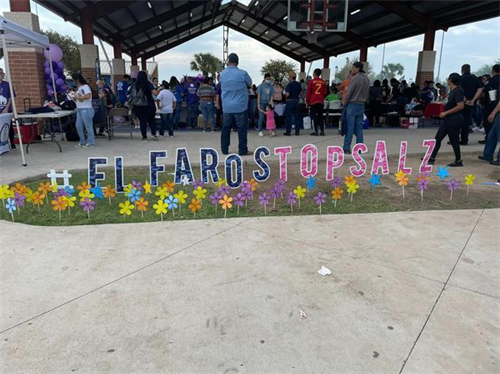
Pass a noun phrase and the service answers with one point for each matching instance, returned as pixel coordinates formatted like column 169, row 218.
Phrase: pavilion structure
column 143, row 29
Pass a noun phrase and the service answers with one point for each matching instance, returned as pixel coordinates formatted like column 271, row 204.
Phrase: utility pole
column 225, row 44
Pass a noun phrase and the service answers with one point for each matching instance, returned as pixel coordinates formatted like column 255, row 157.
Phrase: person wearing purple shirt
column 191, row 98
column 6, row 103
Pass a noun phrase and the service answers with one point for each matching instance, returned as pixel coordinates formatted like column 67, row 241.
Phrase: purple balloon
column 56, row 76
column 55, row 52
column 50, row 92
column 60, row 65
column 46, row 64
column 59, row 82
column 47, row 71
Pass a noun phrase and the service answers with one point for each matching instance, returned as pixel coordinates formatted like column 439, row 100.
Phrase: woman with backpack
column 143, row 104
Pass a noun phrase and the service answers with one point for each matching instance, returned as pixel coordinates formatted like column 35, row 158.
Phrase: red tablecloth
column 433, row 110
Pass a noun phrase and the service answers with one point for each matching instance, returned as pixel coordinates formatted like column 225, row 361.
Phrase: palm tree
column 207, row 63
column 391, row 70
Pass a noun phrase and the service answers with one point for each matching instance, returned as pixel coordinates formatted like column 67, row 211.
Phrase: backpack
column 137, row 97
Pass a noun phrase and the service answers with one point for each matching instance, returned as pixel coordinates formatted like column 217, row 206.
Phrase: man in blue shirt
column 234, row 93
column 122, row 88
column 265, row 93
column 191, row 98
column 292, row 109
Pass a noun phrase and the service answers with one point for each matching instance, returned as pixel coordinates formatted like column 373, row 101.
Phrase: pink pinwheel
column 335, row 182
column 19, row 199
column 452, row 186
column 320, row 199
column 137, row 185
column 264, row 200
column 291, row 199
column 238, row 200
column 87, row 205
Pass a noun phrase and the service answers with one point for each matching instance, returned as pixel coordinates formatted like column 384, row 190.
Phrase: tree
column 485, row 69
column 69, row 46
column 343, row 72
column 392, row 70
column 278, row 68
column 206, row 63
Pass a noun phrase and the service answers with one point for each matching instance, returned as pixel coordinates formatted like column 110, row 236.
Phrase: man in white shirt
column 166, row 102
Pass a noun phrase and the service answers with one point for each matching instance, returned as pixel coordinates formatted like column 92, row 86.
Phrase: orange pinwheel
column 253, row 184
column 227, row 203
column 337, row 195
column 142, row 205
column 44, row 188
column 109, row 192
column 60, row 203
column 20, row 189
column 37, row 199
column 194, row 206
column 348, row 180
column 84, row 186
column 169, row 186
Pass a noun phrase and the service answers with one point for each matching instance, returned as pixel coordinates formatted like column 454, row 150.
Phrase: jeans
column 167, row 123
column 353, row 115
column 84, row 118
column 192, row 115
column 316, row 113
column 262, row 116
column 493, row 139
column 240, row 121
column 252, row 107
column 207, row 109
column 146, row 115
column 177, row 114
column 292, row 116
column 451, row 126
column 467, row 124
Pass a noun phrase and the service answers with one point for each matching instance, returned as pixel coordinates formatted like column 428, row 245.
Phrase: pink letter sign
column 430, row 144
column 283, row 153
column 380, row 158
column 403, row 150
column 333, row 162
column 359, row 170
column 304, row 156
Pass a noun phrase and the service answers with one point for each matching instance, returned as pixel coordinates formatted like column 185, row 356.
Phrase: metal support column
column 225, row 44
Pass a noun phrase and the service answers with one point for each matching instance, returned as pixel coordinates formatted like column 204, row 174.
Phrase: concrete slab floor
column 224, row 296
column 46, row 155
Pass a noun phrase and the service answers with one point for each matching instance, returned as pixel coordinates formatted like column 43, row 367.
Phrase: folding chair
column 112, row 123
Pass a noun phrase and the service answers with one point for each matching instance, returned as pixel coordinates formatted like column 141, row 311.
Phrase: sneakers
column 261, row 133
column 79, row 145
column 482, row 142
column 144, row 139
column 485, row 158
column 154, row 137
column 456, row 164
column 248, row 153
column 287, row 134
column 314, row 134
column 496, row 163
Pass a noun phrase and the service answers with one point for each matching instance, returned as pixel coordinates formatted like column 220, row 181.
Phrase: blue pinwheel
column 11, row 205
column 172, row 202
column 443, row 172
column 97, row 191
column 134, row 195
column 311, row 183
column 375, row 180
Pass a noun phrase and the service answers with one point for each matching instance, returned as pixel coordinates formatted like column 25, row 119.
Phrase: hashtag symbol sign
column 54, row 177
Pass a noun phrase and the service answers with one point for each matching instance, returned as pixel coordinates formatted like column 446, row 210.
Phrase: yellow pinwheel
column 160, row 208
column 127, row 188
column 469, row 181
column 147, row 187
column 181, row 196
column 29, row 194
column 70, row 202
column 126, row 208
column 352, row 188
column 5, row 192
column 162, row 192
column 200, row 193
column 221, row 182
column 253, row 184
column 53, row 187
column 86, row 194
column 300, row 192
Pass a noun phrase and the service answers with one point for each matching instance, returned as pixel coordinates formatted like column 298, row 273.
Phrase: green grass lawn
column 385, row 198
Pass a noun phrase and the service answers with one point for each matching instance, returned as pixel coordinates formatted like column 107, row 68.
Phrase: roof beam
column 177, row 43
column 408, row 13
column 101, row 9
column 176, row 31
column 265, row 42
column 158, row 20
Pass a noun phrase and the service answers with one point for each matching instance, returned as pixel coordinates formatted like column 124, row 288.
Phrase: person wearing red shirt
column 316, row 92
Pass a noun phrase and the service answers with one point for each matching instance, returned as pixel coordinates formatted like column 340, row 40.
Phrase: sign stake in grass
column 452, row 186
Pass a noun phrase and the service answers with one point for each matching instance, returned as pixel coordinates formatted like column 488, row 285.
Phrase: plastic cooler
column 29, row 133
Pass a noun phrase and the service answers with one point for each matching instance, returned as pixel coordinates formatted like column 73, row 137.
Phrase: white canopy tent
column 17, row 36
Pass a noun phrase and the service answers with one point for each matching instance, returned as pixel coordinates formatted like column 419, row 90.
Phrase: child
column 270, row 124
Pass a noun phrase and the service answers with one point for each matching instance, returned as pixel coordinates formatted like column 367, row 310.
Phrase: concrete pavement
column 45, row 155
column 417, row 292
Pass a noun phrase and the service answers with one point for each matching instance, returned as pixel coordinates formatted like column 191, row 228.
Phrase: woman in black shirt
column 146, row 113
column 453, row 120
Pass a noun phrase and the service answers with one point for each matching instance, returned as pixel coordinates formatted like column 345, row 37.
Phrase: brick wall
column 89, row 75
column 423, row 76
column 28, row 77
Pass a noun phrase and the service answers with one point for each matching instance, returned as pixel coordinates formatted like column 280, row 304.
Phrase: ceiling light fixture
column 191, row 14
column 150, row 5
column 285, row 17
column 160, row 27
column 243, row 20
column 355, row 11
column 289, row 43
column 267, row 32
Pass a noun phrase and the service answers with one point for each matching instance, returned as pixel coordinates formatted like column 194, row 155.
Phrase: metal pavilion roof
column 148, row 28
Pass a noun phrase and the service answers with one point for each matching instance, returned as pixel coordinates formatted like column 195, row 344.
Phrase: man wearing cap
column 355, row 98
column 234, row 93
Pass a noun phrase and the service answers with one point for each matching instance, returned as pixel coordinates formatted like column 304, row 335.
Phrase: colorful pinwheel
column 87, row 205
column 162, row 192
column 59, row 205
column 82, row 187
column 453, row 186
column 194, row 206
column 126, row 208
column 352, row 188
column 291, row 199
column 300, row 193
column 147, row 187
column 200, row 193
column 320, row 199
column 172, row 203
column 169, row 186
column 11, row 207
column 469, row 181
column 239, row 200
column 402, row 179
column 37, row 198
column 85, row 194
column 142, row 206
column 265, row 200
column 134, row 194
column 109, row 192
column 70, row 201
column 160, row 208
column 137, row 185
column 226, row 203
column 181, row 196
column 337, row 195
column 214, row 199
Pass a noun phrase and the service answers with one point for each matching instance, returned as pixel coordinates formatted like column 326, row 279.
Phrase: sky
column 476, row 43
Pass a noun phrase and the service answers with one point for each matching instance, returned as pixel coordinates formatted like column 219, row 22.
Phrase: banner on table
column 5, row 120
